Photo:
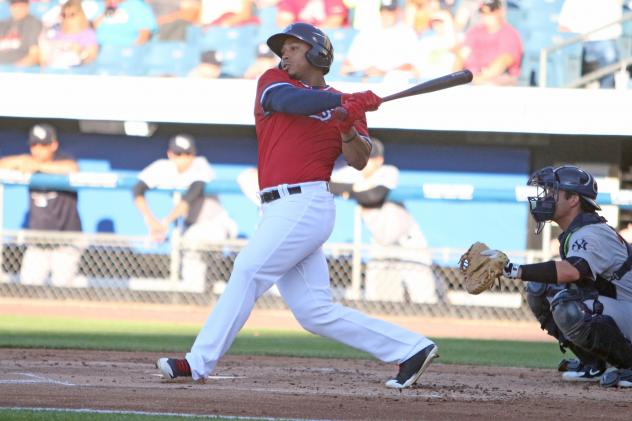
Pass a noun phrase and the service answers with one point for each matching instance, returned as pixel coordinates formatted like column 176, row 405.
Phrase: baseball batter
column 590, row 289
column 391, row 271
column 298, row 141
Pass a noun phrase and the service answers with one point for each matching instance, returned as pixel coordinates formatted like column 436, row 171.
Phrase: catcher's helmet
column 321, row 54
column 550, row 180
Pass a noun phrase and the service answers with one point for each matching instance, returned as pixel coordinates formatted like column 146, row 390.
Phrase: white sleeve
column 591, row 245
column 155, row 173
column 200, row 170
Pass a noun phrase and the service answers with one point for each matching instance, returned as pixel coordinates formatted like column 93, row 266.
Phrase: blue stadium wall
column 230, row 150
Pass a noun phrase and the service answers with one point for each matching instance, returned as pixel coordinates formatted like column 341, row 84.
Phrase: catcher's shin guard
column 596, row 334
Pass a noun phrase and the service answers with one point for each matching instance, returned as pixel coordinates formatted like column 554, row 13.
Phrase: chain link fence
column 106, row 267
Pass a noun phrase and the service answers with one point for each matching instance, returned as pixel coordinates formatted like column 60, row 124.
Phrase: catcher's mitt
column 481, row 267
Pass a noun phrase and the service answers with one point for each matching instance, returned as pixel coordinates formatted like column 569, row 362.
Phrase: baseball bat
column 444, row 82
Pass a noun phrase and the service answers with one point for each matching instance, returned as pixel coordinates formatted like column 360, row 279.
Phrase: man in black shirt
column 49, row 210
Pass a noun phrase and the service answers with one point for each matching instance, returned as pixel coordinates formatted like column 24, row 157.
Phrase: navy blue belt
column 272, row 195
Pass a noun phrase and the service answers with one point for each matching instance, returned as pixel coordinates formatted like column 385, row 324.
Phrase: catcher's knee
column 538, row 295
column 569, row 313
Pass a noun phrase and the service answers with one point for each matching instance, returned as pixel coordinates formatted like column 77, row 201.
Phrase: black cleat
column 412, row 368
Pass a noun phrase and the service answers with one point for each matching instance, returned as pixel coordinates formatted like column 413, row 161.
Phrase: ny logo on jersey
column 323, row 116
column 579, row 245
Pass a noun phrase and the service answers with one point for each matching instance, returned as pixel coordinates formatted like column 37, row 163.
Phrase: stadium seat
column 170, row 58
column 116, row 60
column 38, row 8
column 5, row 12
column 235, row 47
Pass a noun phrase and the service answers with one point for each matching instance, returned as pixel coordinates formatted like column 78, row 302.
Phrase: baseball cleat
column 412, row 368
column 621, row 377
column 587, row 374
column 172, row 368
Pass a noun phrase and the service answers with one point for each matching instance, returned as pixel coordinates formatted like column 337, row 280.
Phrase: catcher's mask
column 321, row 53
column 549, row 181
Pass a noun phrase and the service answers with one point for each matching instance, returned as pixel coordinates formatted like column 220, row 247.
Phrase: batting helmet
column 550, row 180
column 321, row 53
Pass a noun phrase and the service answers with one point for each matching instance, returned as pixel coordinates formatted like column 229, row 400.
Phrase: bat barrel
column 444, row 82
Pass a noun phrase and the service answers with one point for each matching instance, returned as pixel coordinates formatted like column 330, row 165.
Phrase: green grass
column 62, row 415
column 67, row 333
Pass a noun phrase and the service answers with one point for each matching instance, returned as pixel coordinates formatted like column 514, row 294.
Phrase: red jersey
column 295, row 148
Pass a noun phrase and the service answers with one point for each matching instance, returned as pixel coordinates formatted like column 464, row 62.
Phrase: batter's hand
column 367, row 99
column 354, row 112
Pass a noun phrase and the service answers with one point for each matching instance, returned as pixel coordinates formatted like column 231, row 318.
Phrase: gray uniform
column 604, row 251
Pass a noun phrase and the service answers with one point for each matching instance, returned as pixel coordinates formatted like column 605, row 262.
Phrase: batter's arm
column 285, row 98
column 355, row 148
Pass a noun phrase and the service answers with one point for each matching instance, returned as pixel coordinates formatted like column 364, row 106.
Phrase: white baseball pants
column 286, row 250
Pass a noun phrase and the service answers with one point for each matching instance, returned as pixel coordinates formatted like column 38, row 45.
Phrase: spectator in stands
column 228, row 12
column 419, row 12
column 435, row 54
column 391, row 269
column 173, row 26
column 92, row 9
column 49, row 210
column 385, row 51
column 321, row 13
column 365, row 13
column 73, row 43
column 19, row 36
column 265, row 60
column 492, row 50
column 203, row 219
column 210, row 66
column 600, row 47
column 125, row 23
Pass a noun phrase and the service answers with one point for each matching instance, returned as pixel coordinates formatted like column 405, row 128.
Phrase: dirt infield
column 299, row 388
column 293, row 387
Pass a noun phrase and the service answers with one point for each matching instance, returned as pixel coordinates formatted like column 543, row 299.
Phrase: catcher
column 583, row 300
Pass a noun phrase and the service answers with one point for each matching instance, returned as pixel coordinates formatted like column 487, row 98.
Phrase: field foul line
column 161, row 414
column 35, row 379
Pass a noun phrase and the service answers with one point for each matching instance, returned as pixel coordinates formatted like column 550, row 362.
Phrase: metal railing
column 592, row 76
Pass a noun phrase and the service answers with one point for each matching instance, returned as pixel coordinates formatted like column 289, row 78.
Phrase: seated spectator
column 73, row 43
column 265, row 60
column 320, row 13
column 228, row 12
column 419, row 12
column 125, row 23
column 92, row 9
column 600, row 48
column 49, row 210
column 492, row 50
column 385, row 51
column 173, row 26
column 19, row 36
column 435, row 54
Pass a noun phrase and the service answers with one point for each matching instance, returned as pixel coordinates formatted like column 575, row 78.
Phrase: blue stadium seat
column 5, row 12
column 38, row 8
column 170, row 58
column 116, row 60
column 235, row 47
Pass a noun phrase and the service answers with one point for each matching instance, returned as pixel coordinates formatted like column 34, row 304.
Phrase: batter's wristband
column 545, row 272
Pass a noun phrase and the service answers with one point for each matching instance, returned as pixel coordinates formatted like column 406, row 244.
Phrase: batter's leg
column 306, row 291
column 291, row 229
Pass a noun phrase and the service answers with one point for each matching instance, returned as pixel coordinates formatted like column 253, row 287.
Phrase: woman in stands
column 72, row 43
